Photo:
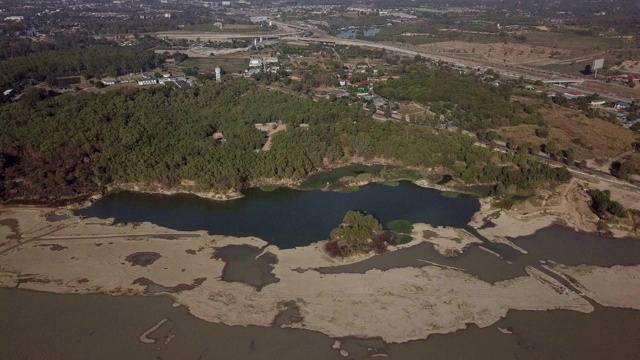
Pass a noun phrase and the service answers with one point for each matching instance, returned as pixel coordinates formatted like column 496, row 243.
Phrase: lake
column 286, row 217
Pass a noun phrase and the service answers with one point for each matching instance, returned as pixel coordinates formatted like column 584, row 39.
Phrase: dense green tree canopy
column 77, row 144
column 111, row 60
column 359, row 233
column 464, row 99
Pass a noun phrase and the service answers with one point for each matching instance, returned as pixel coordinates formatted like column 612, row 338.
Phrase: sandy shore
column 567, row 204
column 186, row 187
column 90, row 255
column 618, row 286
column 52, row 250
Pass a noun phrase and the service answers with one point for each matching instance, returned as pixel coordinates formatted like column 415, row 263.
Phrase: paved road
column 296, row 32
column 589, row 173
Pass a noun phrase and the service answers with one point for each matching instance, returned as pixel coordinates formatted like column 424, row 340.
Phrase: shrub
column 450, row 194
column 542, row 132
column 602, row 205
column 402, row 239
column 359, row 233
column 349, row 189
column 391, row 183
column 400, row 226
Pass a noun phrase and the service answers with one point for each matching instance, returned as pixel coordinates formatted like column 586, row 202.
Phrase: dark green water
column 285, row 217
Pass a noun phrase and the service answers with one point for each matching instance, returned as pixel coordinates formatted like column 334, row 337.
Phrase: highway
column 298, row 33
column 508, row 70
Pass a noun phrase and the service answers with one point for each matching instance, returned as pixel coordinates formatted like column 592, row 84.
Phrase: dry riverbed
column 243, row 281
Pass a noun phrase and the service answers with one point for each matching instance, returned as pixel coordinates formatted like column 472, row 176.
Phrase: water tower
column 218, row 74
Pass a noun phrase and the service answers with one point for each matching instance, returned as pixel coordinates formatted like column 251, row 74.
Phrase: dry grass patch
column 510, row 52
column 590, row 138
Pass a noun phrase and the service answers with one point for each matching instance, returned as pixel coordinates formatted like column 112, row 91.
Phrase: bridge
column 205, row 36
column 563, row 81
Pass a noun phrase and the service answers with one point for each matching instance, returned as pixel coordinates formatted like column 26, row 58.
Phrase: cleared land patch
column 590, row 138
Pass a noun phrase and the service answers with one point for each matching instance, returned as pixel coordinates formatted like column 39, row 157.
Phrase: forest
column 469, row 103
column 75, row 145
column 96, row 60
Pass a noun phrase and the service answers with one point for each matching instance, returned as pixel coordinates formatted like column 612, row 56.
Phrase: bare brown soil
column 508, row 53
column 632, row 66
column 590, row 138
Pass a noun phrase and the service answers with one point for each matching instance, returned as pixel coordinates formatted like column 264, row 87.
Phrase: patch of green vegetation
column 349, row 189
column 359, row 233
column 505, row 204
column 390, row 183
column 67, row 81
column 478, row 190
column 602, row 228
column 269, row 188
column 402, row 239
column 450, row 194
column 228, row 65
column 400, row 226
column 320, row 180
column 397, row 174
column 604, row 207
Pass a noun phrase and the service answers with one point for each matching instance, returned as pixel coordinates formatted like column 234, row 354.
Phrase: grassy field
column 228, row 65
column 570, row 69
column 572, row 41
column 590, row 138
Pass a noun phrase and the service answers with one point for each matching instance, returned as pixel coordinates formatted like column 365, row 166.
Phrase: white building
column 109, row 81
column 147, row 81
column 258, row 19
column 255, row 62
column 270, row 60
column 218, row 74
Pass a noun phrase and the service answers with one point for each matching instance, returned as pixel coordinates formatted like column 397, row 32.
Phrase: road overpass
column 563, row 81
column 205, row 36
